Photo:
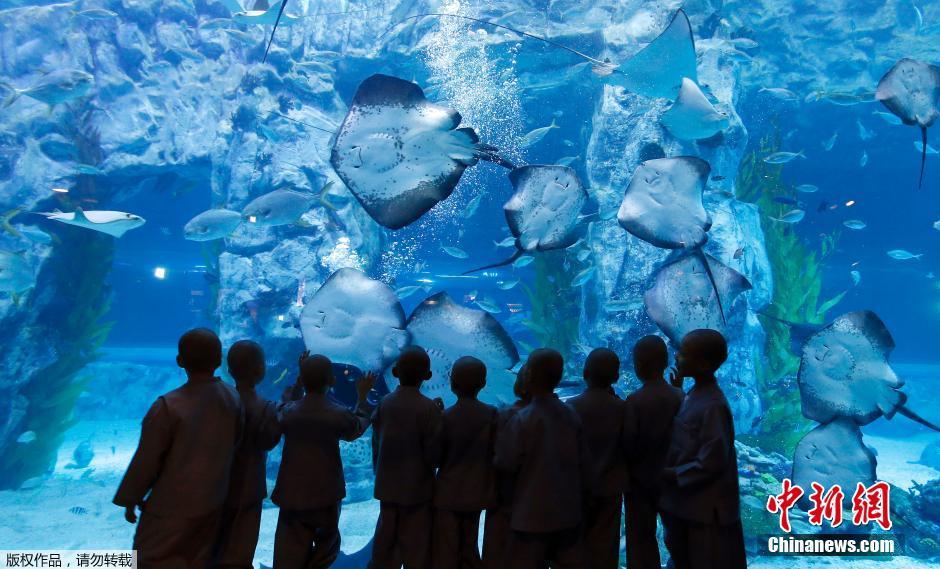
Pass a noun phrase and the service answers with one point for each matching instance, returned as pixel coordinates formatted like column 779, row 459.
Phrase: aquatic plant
column 67, row 321
column 797, row 287
column 554, row 302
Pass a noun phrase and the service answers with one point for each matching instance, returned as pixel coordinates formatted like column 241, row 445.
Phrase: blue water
column 192, row 79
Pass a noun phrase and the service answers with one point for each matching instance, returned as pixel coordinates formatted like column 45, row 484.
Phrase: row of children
column 551, row 476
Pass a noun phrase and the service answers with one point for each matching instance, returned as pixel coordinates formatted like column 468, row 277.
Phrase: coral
column 797, row 285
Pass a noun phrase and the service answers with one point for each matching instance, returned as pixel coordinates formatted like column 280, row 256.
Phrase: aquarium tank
column 476, row 177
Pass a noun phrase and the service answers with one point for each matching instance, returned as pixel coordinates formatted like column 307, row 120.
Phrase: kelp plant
column 797, row 284
column 66, row 321
column 553, row 303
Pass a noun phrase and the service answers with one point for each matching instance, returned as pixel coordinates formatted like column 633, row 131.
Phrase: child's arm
column 269, row 431
column 155, row 440
column 716, row 439
column 359, row 420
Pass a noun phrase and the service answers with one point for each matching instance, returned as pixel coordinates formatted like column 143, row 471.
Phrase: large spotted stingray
column 663, row 206
column 400, row 154
column 448, row 331
column 844, row 373
column 911, row 90
column 544, row 211
column 686, row 291
column 355, row 320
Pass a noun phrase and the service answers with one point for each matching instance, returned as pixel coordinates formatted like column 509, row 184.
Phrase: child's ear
column 179, row 361
column 428, row 375
column 395, row 371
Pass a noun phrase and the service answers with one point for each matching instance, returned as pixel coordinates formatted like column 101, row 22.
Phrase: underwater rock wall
column 624, row 125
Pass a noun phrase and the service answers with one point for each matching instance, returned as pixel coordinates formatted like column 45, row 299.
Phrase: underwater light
column 280, row 317
column 60, row 190
column 850, row 203
column 252, row 219
column 160, row 273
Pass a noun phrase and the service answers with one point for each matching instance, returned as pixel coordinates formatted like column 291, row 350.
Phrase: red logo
column 869, row 504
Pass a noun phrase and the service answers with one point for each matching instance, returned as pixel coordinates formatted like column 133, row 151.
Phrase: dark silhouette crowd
column 553, row 477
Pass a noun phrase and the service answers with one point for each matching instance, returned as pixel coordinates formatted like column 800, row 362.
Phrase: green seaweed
column 66, row 321
column 553, row 302
column 797, row 286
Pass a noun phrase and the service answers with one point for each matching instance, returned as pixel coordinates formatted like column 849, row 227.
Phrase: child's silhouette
column 601, row 413
column 648, row 416
column 466, row 480
column 241, row 516
column 405, row 449
column 700, row 500
column 496, row 528
column 179, row 475
column 544, row 446
column 310, row 483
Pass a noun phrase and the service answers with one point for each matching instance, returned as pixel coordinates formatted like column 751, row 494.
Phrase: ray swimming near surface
column 544, row 211
column 656, row 70
column 910, row 90
column 400, row 154
column 692, row 116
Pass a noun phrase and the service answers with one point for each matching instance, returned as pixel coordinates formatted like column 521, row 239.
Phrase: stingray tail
column 502, row 263
column 917, row 418
column 711, row 278
column 923, row 156
column 584, row 56
column 491, row 154
column 276, row 22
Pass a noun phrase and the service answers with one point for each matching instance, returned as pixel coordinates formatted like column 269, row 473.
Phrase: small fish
column 567, row 143
column 863, row 132
column 783, row 157
column 488, row 306
column 807, row 188
column 718, row 178
column 864, row 159
column 738, row 253
column 523, row 261
column 936, row 225
column 744, row 43
column 97, row 14
column 902, row 255
column 584, row 276
column 786, row 201
column 780, row 93
column 506, row 285
column 472, row 206
column 473, row 294
column 78, row 510
column 856, row 277
column 53, row 88
column 507, row 242
column 565, row 160
column 536, row 135
column 889, row 118
column 27, row 437
column 455, row 252
column 406, row 291
column 856, row 224
column 920, row 148
column 792, row 216
column 88, row 170
column 830, row 142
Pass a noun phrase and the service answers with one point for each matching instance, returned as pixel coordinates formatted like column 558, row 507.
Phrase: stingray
column 544, row 211
column 114, row 223
column 655, row 71
column 663, row 203
column 400, row 154
column 355, row 320
column 911, row 90
column 692, row 116
column 448, row 331
column 844, row 372
column 686, row 291
column 659, row 68
column 830, row 454
column 663, row 206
